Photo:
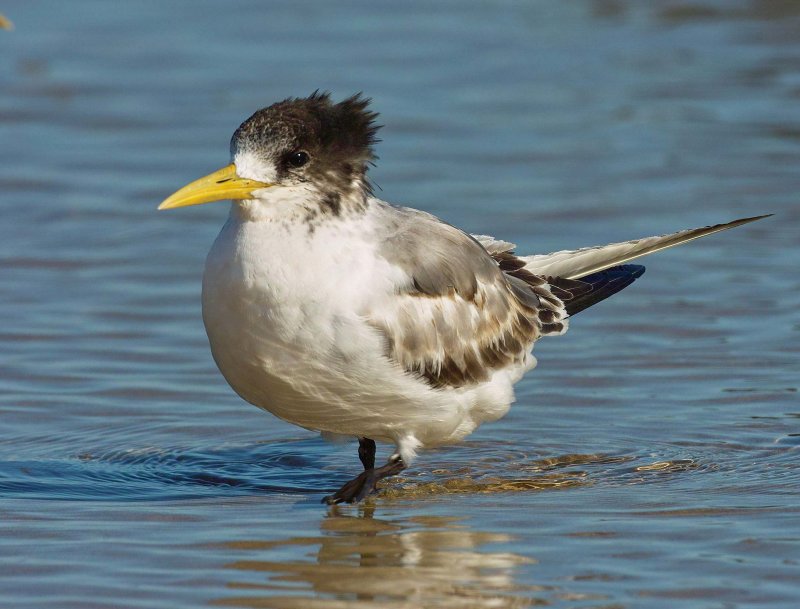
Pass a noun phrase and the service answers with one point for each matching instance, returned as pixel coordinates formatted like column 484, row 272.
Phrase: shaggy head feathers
column 338, row 138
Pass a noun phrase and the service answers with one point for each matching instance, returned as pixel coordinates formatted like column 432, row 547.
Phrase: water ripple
column 159, row 474
column 303, row 468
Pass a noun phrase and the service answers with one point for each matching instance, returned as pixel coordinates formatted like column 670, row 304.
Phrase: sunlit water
column 651, row 460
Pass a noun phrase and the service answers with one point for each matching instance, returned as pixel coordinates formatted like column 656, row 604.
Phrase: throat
column 332, row 205
column 336, row 203
column 303, row 205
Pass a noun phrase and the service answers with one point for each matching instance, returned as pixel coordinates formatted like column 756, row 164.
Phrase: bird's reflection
column 361, row 561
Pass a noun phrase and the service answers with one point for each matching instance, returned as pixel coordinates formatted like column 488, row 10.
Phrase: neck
column 304, row 204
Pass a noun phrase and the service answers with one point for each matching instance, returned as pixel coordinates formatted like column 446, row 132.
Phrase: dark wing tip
column 741, row 221
column 580, row 294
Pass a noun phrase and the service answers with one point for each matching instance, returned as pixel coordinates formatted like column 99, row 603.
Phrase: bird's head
column 298, row 150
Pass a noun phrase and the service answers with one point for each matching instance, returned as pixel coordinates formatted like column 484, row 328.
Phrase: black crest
column 337, row 135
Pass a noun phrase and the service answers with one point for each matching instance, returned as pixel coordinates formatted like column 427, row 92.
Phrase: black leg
column 363, row 485
column 366, row 452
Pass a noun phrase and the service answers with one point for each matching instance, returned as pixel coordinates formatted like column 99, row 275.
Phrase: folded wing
column 459, row 313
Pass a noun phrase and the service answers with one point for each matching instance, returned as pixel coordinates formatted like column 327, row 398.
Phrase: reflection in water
column 501, row 472
column 361, row 561
column 423, row 561
column 520, row 473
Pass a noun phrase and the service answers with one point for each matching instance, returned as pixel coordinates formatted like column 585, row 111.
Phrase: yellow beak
column 222, row 184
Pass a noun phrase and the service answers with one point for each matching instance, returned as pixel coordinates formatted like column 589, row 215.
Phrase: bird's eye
column 298, row 159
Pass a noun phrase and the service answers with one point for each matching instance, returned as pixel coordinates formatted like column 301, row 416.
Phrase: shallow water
column 651, row 459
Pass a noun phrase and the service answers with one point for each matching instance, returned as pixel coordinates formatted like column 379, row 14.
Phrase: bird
column 350, row 316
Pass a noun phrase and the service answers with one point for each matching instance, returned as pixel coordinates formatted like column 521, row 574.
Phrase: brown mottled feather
column 465, row 312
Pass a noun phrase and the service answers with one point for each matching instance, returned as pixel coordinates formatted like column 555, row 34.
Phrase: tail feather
column 577, row 264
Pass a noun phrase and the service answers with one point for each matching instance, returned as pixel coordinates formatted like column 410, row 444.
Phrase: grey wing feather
column 574, row 264
column 494, row 246
column 439, row 258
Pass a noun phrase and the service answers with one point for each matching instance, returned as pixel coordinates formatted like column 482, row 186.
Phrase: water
column 652, row 458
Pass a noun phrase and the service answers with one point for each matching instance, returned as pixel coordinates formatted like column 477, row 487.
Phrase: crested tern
column 344, row 314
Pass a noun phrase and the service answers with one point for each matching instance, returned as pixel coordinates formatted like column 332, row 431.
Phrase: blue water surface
column 651, row 459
